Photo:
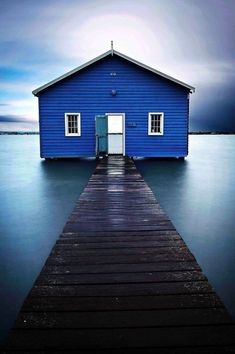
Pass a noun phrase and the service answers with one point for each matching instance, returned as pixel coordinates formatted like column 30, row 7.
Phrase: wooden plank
column 119, row 242
column 163, row 350
column 123, row 289
column 120, row 259
column 155, row 235
column 123, row 319
column 104, row 226
column 124, row 338
column 118, row 278
column 98, row 252
column 108, row 303
column 121, row 268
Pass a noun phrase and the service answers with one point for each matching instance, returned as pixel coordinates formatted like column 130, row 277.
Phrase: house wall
column 138, row 92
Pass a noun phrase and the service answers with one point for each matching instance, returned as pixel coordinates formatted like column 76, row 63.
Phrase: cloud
column 18, row 126
column 47, row 32
column 15, row 118
column 187, row 39
column 23, row 108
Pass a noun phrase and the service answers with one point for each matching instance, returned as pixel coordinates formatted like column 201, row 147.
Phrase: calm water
column 36, row 198
column 199, row 196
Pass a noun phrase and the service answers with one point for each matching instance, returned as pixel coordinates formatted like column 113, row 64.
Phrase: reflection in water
column 198, row 194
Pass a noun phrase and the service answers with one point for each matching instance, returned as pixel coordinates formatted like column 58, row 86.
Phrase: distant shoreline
column 190, row 133
column 18, row 133
column 211, row 133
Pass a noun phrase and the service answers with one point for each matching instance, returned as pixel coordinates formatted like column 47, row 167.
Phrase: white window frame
column 161, row 123
column 66, row 124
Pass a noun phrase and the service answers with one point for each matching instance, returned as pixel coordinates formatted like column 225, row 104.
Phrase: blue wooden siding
column 138, row 92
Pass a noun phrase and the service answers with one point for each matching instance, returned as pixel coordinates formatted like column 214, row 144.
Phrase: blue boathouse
column 114, row 104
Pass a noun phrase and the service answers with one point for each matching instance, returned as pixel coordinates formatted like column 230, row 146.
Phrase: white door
column 115, row 134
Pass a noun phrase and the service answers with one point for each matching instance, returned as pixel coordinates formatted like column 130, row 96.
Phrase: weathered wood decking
column 120, row 279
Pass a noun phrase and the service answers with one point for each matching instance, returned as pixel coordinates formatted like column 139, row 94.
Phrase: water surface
column 36, row 198
column 198, row 194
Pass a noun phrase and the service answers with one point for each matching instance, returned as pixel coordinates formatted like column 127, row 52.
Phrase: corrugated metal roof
column 111, row 52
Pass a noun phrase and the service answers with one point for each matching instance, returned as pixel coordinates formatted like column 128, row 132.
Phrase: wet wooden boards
column 120, row 279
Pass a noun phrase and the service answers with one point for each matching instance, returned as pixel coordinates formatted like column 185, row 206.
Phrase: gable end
column 110, row 52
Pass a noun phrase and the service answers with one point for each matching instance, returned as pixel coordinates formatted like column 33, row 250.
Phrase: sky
column 192, row 40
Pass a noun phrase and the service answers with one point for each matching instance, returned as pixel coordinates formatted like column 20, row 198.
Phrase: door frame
column 123, row 129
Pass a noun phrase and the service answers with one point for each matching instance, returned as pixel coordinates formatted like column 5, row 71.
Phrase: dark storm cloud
column 14, row 119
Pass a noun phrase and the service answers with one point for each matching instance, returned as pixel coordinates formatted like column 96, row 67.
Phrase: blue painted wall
column 138, row 92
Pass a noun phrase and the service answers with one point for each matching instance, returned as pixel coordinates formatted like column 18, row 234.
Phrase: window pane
column 156, row 123
column 72, row 120
column 115, row 124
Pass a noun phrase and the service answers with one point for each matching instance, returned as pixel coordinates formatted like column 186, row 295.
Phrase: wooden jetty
column 120, row 279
